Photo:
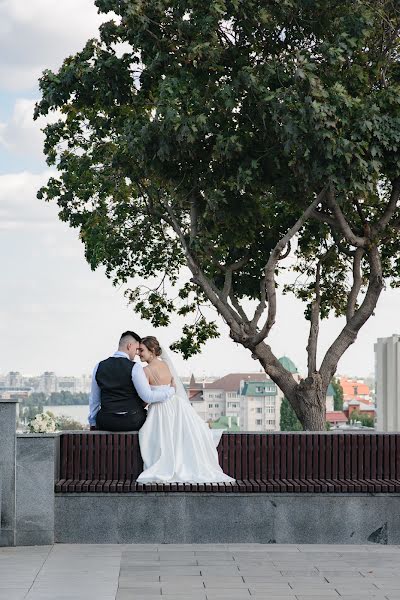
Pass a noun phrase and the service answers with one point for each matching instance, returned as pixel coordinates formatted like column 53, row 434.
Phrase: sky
column 55, row 313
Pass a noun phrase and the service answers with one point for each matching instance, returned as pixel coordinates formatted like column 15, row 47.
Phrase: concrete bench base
column 227, row 518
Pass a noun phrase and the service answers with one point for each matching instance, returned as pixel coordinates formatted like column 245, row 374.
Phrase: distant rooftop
column 231, row 382
column 259, row 388
column 288, row 364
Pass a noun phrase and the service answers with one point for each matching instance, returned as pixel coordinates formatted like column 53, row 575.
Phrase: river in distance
column 78, row 412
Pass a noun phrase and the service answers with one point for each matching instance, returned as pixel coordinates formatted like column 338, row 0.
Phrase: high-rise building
column 14, row 379
column 387, row 382
column 48, row 382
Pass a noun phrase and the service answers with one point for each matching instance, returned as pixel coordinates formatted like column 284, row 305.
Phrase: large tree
column 228, row 136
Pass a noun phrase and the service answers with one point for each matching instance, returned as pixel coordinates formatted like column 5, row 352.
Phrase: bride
column 175, row 443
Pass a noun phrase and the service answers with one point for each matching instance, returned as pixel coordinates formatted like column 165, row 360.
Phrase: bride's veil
column 179, row 387
column 181, row 393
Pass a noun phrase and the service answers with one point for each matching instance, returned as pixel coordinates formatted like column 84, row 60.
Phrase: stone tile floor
column 200, row 572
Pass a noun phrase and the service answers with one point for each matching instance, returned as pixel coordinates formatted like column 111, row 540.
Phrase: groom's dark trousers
column 121, row 408
column 131, row 421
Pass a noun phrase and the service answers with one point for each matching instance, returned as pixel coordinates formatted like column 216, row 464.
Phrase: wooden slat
column 130, row 459
column 238, row 457
column 392, row 454
column 296, row 456
column 360, row 457
column 257, row 456
column 103, row 455
column 263, row 457
column 367, row 457
column 251, row 456
column 386, row 457
column 353, row 449
column 283, row 456
column 70, row 451
column 270, row 456
column 115, row 457
column 303, row 457
column 97, row 442
column 372, row 475
column 225, row 453
column 316, row 452
column 341, row 457
column 90, row 457
column 289, row 457
column 244, row 456
column 277, row 449
column 124, row 457
column 380, row 455
column 77, row 457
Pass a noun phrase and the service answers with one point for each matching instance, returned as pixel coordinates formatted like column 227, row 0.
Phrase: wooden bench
column 260, row 462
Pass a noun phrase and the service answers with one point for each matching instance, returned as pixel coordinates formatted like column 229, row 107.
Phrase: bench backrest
column 245, row 456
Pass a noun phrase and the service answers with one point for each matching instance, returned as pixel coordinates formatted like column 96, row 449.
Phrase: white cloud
column 21, row 134
column 39, row 34
column 19, row 207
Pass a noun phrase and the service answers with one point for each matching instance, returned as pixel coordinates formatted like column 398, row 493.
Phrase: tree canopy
column 223, row 136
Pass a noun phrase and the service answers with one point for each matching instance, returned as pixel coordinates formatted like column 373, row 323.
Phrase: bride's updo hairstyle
column 152, row 344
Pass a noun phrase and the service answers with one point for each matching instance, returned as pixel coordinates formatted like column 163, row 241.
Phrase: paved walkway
column 200, row 572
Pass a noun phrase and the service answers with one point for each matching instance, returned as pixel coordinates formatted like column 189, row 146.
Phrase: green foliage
column 365, row 420
column 227, row 117
column 65, row 423
column 67, row 398
column 64, row 398
column 288, row 418
column 338, row 394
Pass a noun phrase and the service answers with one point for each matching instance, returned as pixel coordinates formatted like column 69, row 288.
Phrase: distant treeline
column 56, row 399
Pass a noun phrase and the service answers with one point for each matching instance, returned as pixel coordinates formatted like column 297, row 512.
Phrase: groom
column 120, row 389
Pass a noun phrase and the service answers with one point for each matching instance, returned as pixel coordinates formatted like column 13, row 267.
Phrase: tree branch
column 261, row 306
column 269, row 270
column 340, row 219
column 314, row 324
column 284, row 380
column 323, row 217
column 238, row 308
column 390, row 209
column 349, row 332
column 194, row 214
column 229, row 270
column 232, row 318
column 357, row 281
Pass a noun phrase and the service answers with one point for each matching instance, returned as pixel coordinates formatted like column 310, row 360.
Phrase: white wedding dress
column 177, row 446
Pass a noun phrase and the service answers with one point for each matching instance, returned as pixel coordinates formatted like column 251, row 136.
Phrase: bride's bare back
column 158, row 373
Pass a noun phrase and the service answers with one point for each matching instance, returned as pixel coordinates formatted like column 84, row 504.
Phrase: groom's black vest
column 118, row 394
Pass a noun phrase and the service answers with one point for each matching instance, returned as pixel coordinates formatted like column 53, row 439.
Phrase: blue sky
column 55, row 313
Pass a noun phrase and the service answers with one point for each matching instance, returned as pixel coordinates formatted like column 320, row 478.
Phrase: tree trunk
column 307, row 398
column 309, row 403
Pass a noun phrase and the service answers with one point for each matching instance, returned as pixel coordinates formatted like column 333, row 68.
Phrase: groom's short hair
column 129, row 334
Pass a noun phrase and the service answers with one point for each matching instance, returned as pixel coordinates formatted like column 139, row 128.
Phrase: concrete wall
column 227, row 518
column 7, row 471
column 37, row 459
column 28, row 465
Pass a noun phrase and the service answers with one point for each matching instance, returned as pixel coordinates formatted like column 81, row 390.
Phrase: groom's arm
column 144, row 390
column 94, row 399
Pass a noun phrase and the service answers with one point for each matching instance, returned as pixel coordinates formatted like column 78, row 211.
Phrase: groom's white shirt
column 140, row 382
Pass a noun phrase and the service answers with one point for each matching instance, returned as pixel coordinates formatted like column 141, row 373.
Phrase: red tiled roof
column 336, row 415
column 348, row 386
column 231, row 382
